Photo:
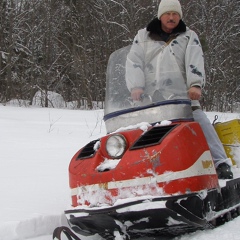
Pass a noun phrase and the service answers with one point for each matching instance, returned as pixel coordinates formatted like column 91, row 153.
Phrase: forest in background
column 63, row 46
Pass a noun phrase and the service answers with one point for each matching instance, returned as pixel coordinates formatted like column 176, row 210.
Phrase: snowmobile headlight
column 116, row 145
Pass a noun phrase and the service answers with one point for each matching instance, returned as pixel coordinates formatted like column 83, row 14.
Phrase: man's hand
column 136, row 93
column 195, row 93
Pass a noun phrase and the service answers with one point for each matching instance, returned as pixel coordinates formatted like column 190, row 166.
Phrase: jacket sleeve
column 135, row 63
column 194, row 62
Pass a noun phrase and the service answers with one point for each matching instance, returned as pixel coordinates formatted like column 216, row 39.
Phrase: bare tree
column 217, row 23
column 64, row 45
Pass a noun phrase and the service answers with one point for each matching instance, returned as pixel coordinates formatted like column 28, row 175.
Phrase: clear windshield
column 145, row 66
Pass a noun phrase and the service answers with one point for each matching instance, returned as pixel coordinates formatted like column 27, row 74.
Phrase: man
column 168, row 55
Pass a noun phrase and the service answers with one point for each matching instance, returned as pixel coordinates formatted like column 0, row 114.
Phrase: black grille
column 153, row 136
column 87, row 151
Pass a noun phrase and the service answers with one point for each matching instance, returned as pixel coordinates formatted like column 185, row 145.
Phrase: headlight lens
column 116, row 145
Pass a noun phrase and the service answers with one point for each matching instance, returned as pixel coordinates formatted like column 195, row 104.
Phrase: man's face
column 169, row 21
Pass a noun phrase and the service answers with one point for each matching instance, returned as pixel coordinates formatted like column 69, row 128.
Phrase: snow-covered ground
column 36, row 146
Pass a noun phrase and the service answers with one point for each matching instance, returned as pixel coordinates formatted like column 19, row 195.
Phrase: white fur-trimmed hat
column 169, row 6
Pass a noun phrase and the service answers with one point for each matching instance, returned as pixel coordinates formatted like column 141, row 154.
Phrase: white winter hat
column 169, row 6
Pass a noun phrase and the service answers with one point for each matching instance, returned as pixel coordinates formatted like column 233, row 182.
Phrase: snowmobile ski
column 65, row 230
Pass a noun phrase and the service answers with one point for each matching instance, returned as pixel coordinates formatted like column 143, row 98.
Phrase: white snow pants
column 216, row 148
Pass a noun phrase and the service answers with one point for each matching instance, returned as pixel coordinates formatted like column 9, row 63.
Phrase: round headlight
column 116, row 145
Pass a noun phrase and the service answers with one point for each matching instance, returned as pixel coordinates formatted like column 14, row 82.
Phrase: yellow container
column 233, row 152
column 229, row 134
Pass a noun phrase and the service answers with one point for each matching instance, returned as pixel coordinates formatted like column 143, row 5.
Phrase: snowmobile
column 152, row 174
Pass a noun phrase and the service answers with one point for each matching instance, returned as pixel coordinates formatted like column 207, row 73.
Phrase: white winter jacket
column 170, row 68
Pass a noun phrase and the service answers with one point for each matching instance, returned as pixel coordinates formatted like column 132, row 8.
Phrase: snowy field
column 36, row 146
